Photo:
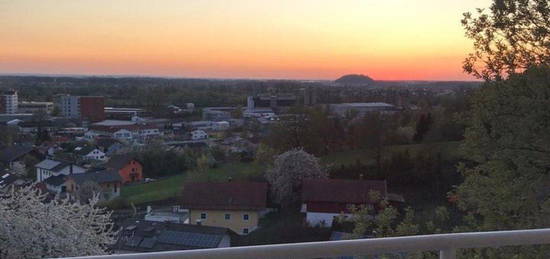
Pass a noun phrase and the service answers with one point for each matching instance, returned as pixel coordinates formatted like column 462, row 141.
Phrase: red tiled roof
column 341, row 191
column 225, row 196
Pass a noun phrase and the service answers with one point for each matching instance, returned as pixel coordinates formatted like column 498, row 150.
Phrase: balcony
column 446, row 244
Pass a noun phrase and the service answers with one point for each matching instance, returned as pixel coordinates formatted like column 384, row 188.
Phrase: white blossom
column 288, row 172
column 30, row 227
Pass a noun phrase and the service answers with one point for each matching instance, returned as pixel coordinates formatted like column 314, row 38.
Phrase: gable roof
column 104, row 176
column 341, row 191
column 48, row 164
column 149, row 236
column 84, row 150
column 225, row 196
column 119, row 161
column 13, row 153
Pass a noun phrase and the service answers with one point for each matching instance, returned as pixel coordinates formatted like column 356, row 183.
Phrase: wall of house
column 43, row 174
column 236, row 222
column 133, row 167
column 321, row 218
column 110, row 190
column 96, row 154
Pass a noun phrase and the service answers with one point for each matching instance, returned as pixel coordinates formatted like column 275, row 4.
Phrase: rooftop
column 373, row 104
column 225, row 196
column 104, row 176
column 114, row 123
column 148, row 236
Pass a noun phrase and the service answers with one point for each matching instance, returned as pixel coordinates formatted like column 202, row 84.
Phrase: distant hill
column 354, row 79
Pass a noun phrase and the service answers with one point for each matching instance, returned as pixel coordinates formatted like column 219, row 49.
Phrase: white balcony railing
column 446, row 244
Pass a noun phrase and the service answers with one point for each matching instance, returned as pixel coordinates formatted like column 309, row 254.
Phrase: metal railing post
column 449, row 253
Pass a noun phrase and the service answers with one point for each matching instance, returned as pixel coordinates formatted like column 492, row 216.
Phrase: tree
column 508, row 38
column 8, row 136
column 507, row 142
column 288, row 171
column 30, row 227
column 204, row 162
column 422, row 127
column 88, row 190
column 368, row 221
column 238, row 112
column 30, row 161
column 265, row 154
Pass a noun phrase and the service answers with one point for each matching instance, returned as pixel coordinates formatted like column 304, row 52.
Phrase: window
column 245, row 230
column 245, row 217
column 227, row 216
column 203, row 215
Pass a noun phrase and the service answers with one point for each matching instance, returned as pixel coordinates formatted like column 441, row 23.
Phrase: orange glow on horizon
column 300, row 39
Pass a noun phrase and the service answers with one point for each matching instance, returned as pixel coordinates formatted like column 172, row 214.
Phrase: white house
column 323, row 200
column 91, row 135
column 48, row 168
column 147, row 132
column 198, row 134
column 123, row 134
column 95, row 154
column 220, row 125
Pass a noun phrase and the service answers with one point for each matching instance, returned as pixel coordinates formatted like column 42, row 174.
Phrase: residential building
column 234, row 205
column 13, row 157
column 8, row 102
column 123, row 134
column 108, row 181
column 325, row 199
column 198, row 134
column 127, row 130
column 48, row 168
column 88, row 152
column 108, row 145
column 33, row 107
column 220, row 125
column 89, row 108
column 140, row 236
column 129, row 169
column 172, row 215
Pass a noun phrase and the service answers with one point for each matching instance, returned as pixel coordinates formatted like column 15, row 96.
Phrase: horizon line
column 121, row 76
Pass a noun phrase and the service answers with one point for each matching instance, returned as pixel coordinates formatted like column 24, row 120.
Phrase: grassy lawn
column 449, row 151
column 170, row 186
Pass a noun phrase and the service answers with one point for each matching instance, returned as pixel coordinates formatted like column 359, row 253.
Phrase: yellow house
column 234, row 205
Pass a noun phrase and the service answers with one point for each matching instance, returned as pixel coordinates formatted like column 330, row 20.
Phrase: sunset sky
column 295, row 39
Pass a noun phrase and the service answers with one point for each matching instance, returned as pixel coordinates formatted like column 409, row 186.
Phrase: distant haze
column 294, row 39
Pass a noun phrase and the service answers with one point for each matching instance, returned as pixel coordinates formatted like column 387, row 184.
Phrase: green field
column 170, row 186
